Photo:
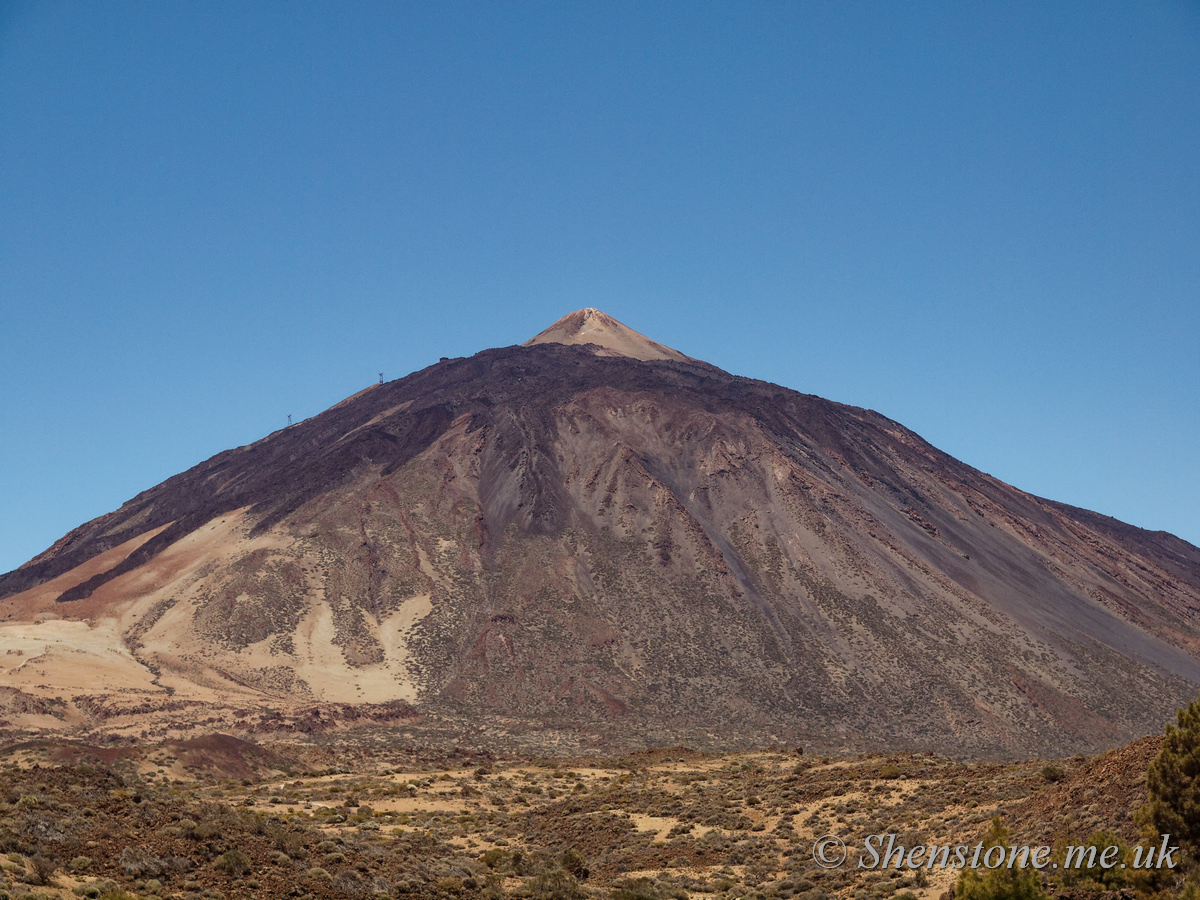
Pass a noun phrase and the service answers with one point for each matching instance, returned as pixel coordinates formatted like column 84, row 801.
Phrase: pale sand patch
column 662, row 825
column 940, row 881
column 58, row 657
column 154, row 607
column 181, row 573
column 320, row 662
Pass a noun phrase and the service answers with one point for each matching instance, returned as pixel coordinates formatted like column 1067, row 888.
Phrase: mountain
column 595, row 538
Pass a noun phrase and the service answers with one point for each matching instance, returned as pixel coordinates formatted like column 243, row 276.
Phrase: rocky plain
column 367, row 815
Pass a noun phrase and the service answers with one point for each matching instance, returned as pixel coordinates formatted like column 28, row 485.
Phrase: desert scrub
column 100, row 888
column 1051, row 773
column 41, row 868
column 233, row 863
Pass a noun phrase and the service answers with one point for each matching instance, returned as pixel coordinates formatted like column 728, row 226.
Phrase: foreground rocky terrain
column 596, row 542
column 216, row 817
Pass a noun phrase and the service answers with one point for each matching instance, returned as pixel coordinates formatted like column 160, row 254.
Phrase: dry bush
column 233, row 863
column 137, row 863
column 42, row 867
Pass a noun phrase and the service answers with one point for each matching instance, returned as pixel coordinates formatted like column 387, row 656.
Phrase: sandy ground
column 321, row 664
column 68, row 657
column 112, row 642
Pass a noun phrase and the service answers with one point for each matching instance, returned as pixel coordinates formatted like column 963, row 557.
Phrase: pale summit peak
column 610, row 337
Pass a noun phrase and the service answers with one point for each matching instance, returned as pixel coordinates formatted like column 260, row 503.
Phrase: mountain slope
column 547, row 535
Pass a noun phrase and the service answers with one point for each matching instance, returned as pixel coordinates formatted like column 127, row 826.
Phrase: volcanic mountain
column 594, row 534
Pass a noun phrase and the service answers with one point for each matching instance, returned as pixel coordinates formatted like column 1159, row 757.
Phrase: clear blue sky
column 980, row 219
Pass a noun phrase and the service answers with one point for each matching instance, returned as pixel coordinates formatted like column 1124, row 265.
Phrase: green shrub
column 554, row 885
column 574, row 864
column 1001, row 883
column 206, row 831
column 42, row 868
column 233, row 863
column 100, row 888
column 1094, row 876
column 1173, row 804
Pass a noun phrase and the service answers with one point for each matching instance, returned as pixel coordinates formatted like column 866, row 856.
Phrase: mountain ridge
column 545, row 534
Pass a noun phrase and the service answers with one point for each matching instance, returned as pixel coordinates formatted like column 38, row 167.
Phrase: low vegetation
column 662, row 825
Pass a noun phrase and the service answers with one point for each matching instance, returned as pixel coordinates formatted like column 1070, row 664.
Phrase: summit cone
column 610, row 337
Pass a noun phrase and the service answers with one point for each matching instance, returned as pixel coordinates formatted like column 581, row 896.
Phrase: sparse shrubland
column 362, row 819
